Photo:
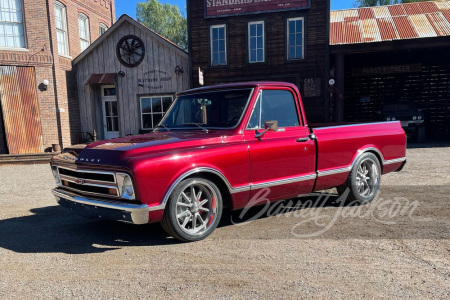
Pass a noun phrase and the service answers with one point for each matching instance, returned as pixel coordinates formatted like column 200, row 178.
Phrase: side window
column 276, row 105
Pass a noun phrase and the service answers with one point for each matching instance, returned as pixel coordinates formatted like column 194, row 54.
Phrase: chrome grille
column 89, row 182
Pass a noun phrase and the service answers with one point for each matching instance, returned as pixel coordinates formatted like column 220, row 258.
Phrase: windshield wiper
column 196, row 124
column 162, row 126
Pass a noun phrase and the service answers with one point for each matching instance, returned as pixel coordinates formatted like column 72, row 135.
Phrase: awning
column 106, row 78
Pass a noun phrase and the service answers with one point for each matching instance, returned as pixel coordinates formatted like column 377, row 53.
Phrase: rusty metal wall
column 20, row 110
column 391, row 22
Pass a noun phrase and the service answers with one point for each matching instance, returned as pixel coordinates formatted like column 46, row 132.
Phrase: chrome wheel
column 196, row 208
column 367, row 178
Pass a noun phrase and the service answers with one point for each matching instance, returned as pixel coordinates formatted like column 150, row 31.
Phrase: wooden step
column 32, row 158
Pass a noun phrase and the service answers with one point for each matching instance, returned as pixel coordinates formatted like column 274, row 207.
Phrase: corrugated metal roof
column 390, row 22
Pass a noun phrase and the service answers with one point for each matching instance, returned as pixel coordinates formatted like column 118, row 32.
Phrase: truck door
column 281, row 161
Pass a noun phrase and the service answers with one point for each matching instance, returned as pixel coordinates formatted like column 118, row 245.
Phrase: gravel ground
column 396, row 247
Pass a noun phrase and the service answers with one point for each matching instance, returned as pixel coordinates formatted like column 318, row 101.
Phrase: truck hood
column 117, row 152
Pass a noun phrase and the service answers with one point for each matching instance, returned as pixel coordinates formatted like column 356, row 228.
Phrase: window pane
column 253, row 123
column 156, row 105
column 298, row 26
column 252, row 55
column 115, row 123
column 221, row 33
column 291, row 27
column 147, row 121
column 109, row 124
column 252, row 30
column 167, row 101
column 156, row 119
column 259, row 55
column 279, row 105
column 259, row 29
column 145, row 105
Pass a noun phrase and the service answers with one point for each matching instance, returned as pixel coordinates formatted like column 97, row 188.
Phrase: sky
column 129, row 6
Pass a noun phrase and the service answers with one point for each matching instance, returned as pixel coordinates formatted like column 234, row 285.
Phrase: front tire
column 193, row 210
column 363, row 182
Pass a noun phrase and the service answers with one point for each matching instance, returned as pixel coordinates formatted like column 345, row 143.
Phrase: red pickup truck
column 216, row 148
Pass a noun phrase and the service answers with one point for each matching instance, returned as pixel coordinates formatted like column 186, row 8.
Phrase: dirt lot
column 397, row 247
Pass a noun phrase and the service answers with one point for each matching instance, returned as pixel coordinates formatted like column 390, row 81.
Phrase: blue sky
column 129, row 6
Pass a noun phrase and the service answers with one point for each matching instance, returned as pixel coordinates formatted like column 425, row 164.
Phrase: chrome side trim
column 283, row 181
column 352, row 125
column 138, row 212
column 393, row 161
column 362, row 151
column 334, row 171
column 231, row 189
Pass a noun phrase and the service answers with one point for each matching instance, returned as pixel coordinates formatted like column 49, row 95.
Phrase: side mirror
column 269, row 126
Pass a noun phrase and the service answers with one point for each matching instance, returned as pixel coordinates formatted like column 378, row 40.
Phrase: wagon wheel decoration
column 179, row 70
column 130, row 51
column 85, row 137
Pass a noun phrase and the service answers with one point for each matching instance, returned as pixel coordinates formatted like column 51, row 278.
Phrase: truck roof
column 239, row 85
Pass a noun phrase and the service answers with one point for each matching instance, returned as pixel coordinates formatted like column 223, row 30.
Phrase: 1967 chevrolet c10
column 217, row 147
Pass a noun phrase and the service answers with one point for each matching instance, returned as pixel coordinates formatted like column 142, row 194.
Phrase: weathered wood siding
column 160, row 56
column 277, row 67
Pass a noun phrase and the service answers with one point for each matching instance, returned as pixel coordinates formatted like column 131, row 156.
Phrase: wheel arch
column 208, row 173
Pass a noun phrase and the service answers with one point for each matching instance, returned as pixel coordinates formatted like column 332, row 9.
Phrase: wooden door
column 20, row 110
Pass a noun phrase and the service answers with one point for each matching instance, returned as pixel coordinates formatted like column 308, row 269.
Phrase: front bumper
column 103, row 208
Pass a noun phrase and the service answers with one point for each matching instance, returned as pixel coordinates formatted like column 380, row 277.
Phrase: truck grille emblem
column 79, row 181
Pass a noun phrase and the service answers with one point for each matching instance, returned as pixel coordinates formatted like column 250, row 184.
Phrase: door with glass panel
column 153, row 109
column 110, row 113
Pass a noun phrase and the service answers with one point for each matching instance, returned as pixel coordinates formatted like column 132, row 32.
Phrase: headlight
column 388, row 119
column 414, row 118
column 419, row 118
column 128, row 186
column 125, row 186
column 56, row 175
column 393, row 118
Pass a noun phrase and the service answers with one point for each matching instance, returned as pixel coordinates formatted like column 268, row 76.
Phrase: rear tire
column 363, row 182
column 193, row 210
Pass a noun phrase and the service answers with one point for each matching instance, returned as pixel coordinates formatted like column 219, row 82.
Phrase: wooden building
column 393, row 55
column 127, row 79
column 253, row 40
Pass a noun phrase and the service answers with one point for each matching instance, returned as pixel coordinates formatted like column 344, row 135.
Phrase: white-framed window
column 83, row 28
column 11, row 24
column 61, row 28
column 102, row 28
column 153, row 109
column 295, row 38
column 218, row 44
column 256, row 34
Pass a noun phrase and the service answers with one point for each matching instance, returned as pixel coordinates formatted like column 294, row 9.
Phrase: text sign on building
column 219, row 8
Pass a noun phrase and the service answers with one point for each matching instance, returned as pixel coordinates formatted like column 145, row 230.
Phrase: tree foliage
column 165, row 19
column 366, row 3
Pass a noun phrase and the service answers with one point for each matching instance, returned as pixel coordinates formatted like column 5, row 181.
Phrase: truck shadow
column 56, row 229
column 273, row 209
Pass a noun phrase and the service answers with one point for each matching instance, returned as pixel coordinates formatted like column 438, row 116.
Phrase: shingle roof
column 390, row 22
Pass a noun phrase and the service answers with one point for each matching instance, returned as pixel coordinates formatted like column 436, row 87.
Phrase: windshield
column 218, row 109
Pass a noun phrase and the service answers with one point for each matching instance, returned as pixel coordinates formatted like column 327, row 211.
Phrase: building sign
column 393, row 69
column 219, row 8
column 154, row 79
column 311, row 87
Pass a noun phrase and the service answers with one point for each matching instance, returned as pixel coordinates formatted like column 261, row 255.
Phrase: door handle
column 312, row 136
column 305, row 139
